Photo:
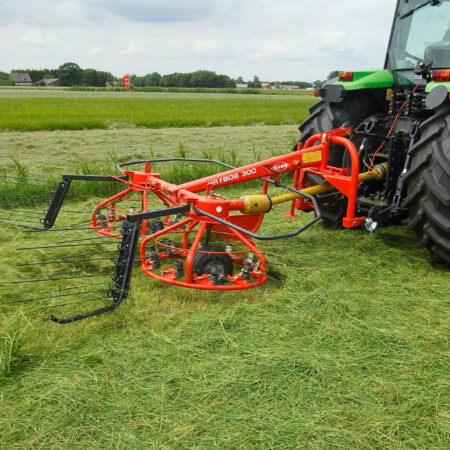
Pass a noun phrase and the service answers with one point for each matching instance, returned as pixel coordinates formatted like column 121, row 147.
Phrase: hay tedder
column 188, row 235
column 386, row 159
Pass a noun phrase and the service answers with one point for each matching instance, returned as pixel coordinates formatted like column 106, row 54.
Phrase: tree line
column 71, row 74
column 200, row 78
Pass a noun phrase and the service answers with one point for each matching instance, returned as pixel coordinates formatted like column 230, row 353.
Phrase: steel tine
column 91, row 269
column 27, row 300
column 104, row 238
column 66, row 245
column 59, row 278
column 60, row 229
column 46, row 263
column 82, row 255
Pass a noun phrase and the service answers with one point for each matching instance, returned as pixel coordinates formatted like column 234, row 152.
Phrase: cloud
column 285, row 39
column 37, row 37
column 161, row 11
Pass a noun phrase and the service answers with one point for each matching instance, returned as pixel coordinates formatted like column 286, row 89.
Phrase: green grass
column 350, row 352
column 347, row 353
column 37, row 114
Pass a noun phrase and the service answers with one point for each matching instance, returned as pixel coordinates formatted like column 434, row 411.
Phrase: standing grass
column 235, row 91
column 39, row 114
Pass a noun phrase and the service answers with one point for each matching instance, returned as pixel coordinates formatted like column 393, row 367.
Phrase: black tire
column 219, row 263
column 428, row 186
column 325, row 116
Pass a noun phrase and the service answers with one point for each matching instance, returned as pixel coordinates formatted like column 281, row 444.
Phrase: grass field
column 350, row 352
column 19, row 111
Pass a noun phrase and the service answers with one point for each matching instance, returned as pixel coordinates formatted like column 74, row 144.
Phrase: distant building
column 290, row 87
column 266, row 86
column 21, row 79
column 49, row 82
column 242, row 85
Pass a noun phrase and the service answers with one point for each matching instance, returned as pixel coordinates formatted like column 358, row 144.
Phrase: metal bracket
column 63, row 187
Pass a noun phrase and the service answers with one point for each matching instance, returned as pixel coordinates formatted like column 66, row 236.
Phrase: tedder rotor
column 190, row 236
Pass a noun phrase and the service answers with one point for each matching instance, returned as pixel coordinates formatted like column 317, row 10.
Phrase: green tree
column 175, row 80
column 136, row 81
column 151, row 79
column 90, row 77
column 199, row 79
column 318, row 83
column 303, row 84
column 256, row 83
column 70, row 74
column 103, row 78
column 4, row 76
column 203, row 78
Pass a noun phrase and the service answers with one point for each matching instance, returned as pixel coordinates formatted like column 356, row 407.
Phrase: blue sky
column 276, row 40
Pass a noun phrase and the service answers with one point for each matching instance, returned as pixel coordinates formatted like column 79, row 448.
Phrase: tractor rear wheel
column 326, row 116
column 428, row 186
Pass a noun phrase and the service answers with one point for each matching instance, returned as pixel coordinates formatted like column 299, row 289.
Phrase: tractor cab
column 420, row 32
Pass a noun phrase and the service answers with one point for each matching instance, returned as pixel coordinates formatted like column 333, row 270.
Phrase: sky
column 280, row 40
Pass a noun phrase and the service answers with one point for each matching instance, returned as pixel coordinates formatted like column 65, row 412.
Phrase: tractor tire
column 428, row 186
column 325, row 116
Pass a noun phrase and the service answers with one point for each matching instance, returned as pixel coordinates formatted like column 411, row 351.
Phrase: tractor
column 399, row 116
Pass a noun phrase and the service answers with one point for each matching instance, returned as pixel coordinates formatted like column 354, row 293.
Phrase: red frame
column 312, row 158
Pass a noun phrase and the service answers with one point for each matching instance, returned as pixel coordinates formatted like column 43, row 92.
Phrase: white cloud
column 37, row 37
column 276, row 40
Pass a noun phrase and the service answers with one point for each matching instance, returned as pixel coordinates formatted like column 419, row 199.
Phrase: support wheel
column 215, row 264
column 428, row 186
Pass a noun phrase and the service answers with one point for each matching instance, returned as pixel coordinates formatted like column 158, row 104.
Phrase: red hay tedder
column 192, row 237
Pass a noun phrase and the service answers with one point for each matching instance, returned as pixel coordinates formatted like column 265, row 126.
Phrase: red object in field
column 188, row 249
column 126, row 80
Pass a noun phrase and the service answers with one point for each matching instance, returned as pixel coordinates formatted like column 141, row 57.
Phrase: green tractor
column 400, row 116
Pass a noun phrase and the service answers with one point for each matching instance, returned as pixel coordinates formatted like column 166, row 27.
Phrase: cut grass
column 352, row 350
column 52, row 153
column 347, row 353
column 38, row 114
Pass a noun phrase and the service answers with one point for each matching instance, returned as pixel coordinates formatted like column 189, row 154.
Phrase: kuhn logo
column 279, row 167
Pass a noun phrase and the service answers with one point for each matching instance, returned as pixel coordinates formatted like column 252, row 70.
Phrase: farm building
column 21, row 79
column 49, row 82
column 266, row 86
column 291, row 87
column 242, row 85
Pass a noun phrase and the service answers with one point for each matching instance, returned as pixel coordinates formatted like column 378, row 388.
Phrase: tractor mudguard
column 336, row 90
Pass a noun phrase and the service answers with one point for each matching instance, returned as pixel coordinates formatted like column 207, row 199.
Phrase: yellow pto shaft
column 261, row 203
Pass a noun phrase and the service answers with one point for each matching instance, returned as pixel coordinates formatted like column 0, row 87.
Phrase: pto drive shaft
column 256, row 204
